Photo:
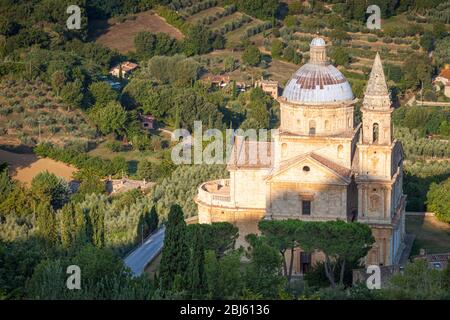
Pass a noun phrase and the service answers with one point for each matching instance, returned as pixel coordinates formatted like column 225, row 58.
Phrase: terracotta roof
column 343, row 171
column 127, row 66
column 219, row 79
column 445, row 73
column 250, row 154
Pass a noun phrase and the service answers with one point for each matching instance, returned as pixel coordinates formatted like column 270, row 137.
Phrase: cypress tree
column 175, row 254
column 6, row 186
column 153, row 220
column 46, row 222
column 196, row 270
column 68, row 225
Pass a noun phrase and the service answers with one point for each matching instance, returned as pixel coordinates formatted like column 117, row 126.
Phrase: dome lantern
column 318, row 51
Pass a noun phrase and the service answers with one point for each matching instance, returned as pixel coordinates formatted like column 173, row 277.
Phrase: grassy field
column 120, row 36
column 431, row 234
column 24, row 167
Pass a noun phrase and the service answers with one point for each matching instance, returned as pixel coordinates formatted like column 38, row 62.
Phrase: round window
column 306, row 169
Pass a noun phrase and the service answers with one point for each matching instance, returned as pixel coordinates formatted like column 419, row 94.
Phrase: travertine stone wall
column 327, row 120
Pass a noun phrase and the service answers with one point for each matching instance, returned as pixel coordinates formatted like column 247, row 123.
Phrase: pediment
column 310, row 168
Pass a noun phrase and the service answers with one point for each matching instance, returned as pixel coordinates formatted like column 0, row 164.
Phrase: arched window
column 340, row 151
column 312, row 127
column 375, row 132
column 284, row 150
column 327, row 125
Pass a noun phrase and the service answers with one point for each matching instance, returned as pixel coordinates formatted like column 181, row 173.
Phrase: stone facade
column 320, row 165
column 268, row 86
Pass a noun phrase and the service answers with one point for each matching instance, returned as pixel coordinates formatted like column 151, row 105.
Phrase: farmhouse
column 319, row 166
column 444, row 79
column 115, row 186
column 147, row 122
column 220, row 80
column 123, row 70
column 268, row 86
column 437, row 261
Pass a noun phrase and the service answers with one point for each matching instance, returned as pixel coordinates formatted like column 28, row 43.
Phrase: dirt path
column 24, row 167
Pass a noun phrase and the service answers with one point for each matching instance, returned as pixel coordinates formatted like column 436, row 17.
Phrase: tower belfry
column 377, row 108
column 377, row 94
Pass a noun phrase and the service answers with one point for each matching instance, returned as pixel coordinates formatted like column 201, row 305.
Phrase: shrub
column 114, row 146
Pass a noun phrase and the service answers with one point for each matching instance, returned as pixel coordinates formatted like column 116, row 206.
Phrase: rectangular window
column 306, row 208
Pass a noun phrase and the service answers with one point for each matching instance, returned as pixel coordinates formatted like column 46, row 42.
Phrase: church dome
column 318, row 81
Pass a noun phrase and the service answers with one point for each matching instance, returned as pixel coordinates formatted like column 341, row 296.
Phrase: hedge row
column 102, row 167
column 172, row 18
column 257, row 29
column 235, row 24
column 229, row 10
column 198, row 7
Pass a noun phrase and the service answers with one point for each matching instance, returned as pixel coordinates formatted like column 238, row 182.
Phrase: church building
column 319, row 165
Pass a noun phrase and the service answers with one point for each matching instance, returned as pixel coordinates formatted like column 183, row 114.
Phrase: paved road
column 144, row 254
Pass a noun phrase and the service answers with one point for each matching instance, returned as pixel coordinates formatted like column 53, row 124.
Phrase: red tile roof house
column 444, row 78
column 124, row 69
column 437, row 261
column 221, row 81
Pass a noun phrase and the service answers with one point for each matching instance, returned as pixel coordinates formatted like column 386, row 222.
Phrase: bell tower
column 379, row 172
column 377, row 108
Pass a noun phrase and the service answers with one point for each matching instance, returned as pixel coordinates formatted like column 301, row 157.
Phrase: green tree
column 427, row 41
column 6, row 185
column 251, row 56
column 416, row 281
column 219, row 237
column 291, row 55
column 109, row 118
column 438, row 200
column 48, row 186
column 175, row 253
column 340, row 56
column 282, row 235
column 46, row 222
column 102, row 93
column 442, row 51
column 198, row 40
column 72, row 93
column 340, row 242
column 262, row 275
column 58, row 81
column 68, row 229
column 47, row 281
column 153, row 220
column 261, row 9
column 94, row 208
column 223, row 275
column 277, row 48
column 90, row 182
column 196, row 269
column 145, row 43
